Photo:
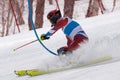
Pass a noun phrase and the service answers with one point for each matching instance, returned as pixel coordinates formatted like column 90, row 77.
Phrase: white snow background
column 104, row 40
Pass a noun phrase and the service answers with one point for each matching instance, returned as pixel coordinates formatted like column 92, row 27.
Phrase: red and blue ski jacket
column 71, row 29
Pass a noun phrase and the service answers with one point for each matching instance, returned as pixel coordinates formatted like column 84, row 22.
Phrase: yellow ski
column 36, row 72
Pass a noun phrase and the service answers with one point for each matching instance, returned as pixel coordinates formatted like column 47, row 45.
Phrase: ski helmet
column 53, row 16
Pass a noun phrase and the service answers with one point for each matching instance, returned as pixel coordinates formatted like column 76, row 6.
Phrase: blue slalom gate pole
column 33, row 26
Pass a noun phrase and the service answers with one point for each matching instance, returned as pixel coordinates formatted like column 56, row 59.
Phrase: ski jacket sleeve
column 56, row 27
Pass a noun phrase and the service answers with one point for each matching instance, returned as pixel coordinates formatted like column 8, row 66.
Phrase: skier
column 73, row 31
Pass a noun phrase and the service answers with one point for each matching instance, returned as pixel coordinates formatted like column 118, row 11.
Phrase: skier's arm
column 48, row 34
column 55, row 28
column 52, row 31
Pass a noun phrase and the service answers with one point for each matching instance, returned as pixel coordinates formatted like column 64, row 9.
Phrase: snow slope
column 104, row 39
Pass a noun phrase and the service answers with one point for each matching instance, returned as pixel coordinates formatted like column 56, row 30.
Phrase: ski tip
column 16, row 72
column 20, row 73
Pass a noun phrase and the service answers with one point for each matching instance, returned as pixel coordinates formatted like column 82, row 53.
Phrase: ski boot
column 62, row 52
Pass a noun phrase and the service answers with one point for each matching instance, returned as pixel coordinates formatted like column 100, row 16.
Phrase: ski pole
column 25, row 45
column 57, row 4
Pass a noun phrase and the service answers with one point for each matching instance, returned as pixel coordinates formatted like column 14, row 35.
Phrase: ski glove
column 44, row 37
